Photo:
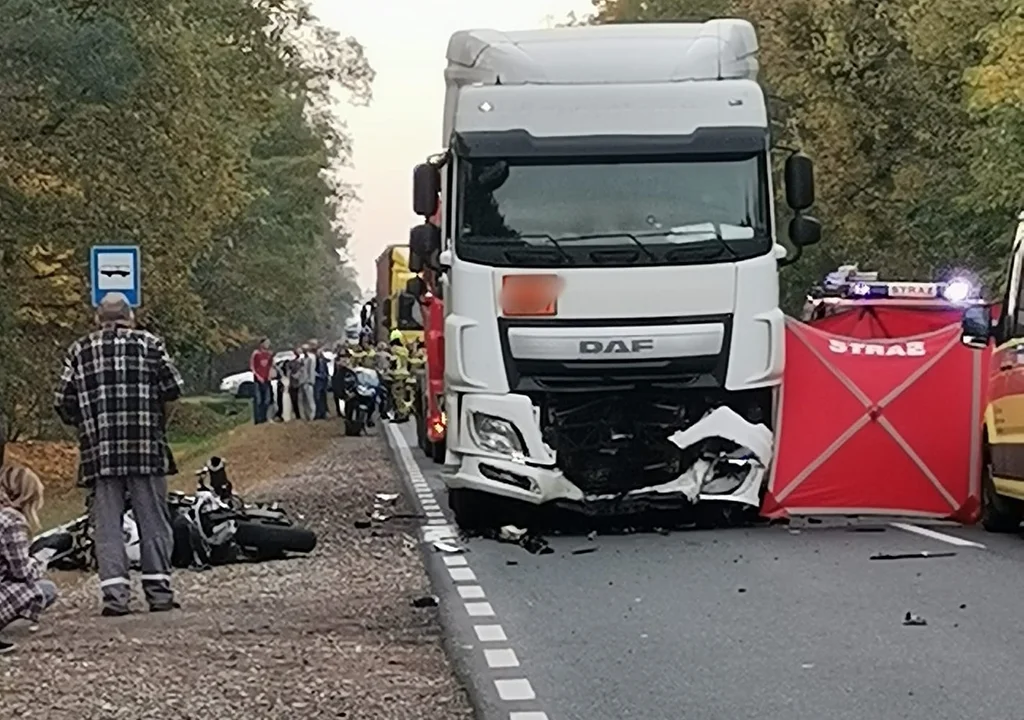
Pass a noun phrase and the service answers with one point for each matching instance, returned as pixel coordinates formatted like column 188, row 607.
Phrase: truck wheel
column 474, row 511
column 438, row 451
column 998, row 514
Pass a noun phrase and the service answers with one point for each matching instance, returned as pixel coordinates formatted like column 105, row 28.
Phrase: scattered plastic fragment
column 362, row 524
column 389, row 498
column 448, row 547
column 425, row 601
column 378, row 516
column 584, row 550
column 911, row 619
column 511, row 533
column 911, row 556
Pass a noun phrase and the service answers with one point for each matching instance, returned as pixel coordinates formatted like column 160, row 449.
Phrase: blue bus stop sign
column 116, row 268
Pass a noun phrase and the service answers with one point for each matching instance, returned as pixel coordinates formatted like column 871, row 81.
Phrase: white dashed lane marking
column 490, row 633
column 512, row 690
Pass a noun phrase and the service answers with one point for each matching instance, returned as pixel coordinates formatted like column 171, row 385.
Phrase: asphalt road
column 762, row 623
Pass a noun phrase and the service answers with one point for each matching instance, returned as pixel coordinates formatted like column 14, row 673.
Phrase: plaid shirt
column 20, row 596
column 113, row 389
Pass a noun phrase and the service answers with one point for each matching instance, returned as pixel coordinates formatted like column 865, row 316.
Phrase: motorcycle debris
column 447, row 547
column 584, row 550
column 511, row 533
column 388, row 498
column 911, row 555
column 425, row 601
column 362, row 524
column 911, row 619
column 592, row 535
column 379, row 516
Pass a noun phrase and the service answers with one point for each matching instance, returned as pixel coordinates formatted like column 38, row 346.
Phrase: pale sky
column 405, row 41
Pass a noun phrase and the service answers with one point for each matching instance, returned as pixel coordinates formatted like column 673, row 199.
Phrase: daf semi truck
column 609, row 266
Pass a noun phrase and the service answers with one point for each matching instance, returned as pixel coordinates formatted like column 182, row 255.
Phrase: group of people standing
column 302, row 378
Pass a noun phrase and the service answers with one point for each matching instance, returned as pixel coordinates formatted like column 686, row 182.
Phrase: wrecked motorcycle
column 214, row 526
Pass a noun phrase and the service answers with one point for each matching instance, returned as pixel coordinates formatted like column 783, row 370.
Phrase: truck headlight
column 494, row 434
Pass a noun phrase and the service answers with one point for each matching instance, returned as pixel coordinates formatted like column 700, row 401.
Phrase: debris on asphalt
column 363, row 524
column 426, row 601
column 794, row 531
column 741, row 590
column 511, row 533
column 963, row 606
column 511, row 562
column 814, row 521
column 592, row 535
column 536, row 544
column 911, row 619
column 911, row 555
column 867, row 528
column 388, row 498
column 447, row 547
column 329, row 635
column 378, row 516
column 583, row 550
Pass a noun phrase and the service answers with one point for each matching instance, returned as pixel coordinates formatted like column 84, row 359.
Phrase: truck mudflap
column 730, row 464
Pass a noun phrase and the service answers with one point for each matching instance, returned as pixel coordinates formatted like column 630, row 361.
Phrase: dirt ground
column 255, row 455
column 333, row 635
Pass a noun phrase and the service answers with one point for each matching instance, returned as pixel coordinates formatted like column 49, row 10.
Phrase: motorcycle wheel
column 272, row 541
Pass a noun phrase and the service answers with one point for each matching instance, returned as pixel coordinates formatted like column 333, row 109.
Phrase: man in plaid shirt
column 113, row 389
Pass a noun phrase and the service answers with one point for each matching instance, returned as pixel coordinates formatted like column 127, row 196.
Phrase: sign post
column 116, row 268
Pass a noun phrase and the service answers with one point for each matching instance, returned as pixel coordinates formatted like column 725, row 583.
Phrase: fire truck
column 431, row 419
column 392, row 307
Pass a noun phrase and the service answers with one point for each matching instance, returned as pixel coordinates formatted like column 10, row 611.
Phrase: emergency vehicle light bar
column 848, row 282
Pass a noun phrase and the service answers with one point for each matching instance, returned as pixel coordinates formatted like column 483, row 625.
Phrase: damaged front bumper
column 500, row 451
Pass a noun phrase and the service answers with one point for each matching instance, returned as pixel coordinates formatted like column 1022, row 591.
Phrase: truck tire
column 998, row 514
column 438, row 451
column 474, row 511
column 421, row 420
column 269, row 541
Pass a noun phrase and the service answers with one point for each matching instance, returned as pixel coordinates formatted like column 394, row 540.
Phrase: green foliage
column 201, row 130
column 913, row 111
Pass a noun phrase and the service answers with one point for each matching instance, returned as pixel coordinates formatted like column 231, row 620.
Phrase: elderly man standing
column 113, row 389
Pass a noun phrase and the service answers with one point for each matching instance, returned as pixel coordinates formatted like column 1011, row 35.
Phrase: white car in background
column 242, row 385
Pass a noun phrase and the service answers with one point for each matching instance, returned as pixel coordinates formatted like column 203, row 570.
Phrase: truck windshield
column 603, row 211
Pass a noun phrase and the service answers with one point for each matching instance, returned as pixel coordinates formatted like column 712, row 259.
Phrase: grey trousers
column 153, row 517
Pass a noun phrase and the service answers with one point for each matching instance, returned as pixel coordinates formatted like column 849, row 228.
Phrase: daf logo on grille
column 615, row 347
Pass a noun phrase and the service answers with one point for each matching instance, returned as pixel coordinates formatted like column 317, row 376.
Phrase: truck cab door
column 1006, row 384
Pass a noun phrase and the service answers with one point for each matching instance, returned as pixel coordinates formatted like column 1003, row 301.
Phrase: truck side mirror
column 799, row 182
column 424, row 244
column 976, row 326
column 804, row 231
column 426, row 188
column 416, row 287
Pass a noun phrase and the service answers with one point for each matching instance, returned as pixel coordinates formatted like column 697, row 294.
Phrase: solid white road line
column 490, row 633
column 935, row 535
column 501, row 658
column 517, row 689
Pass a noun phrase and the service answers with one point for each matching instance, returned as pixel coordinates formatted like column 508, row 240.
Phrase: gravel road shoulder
column 329, row 636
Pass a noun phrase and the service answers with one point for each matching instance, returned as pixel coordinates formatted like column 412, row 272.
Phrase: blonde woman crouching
column 24, row 592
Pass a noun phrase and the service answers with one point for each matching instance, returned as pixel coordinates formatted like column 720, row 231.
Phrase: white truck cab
column 610, row 269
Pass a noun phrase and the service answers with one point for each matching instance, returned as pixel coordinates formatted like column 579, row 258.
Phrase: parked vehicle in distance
column 241, row 384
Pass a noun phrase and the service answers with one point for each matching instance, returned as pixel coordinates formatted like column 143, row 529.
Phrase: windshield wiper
column 636, row 241
column 519, row 242
column 696, row 231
